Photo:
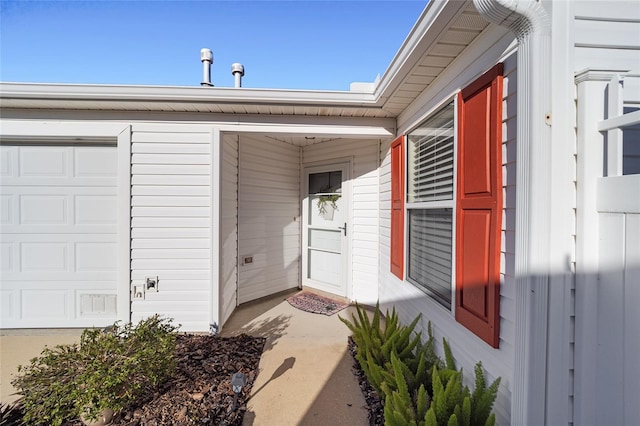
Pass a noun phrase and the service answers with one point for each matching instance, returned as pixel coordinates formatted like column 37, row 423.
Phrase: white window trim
column 434, row 205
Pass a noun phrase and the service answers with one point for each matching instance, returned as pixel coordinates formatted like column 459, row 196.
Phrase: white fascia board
column 304, row 130
column 124, row 93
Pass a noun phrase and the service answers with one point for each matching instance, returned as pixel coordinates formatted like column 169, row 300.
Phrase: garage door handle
column 344, row 228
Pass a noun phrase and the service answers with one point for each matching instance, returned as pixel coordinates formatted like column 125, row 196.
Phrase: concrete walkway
column 305, row 375
column 17, row 347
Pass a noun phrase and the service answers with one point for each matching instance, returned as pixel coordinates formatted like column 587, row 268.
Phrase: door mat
column 316, row 304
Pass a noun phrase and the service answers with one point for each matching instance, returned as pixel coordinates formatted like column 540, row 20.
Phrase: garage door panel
column 54, row 182
column 53, row 237
column 6, row 257
column 45, row 304
column 60, row 209
column 43, row 209
column 59, row 236
column 95, row 162
column 7, row 304
column 104, row 285
column 96, row 256
column 68, row 303
column 51, row 278
column 43, row 230
column 7, row 214
column 44, row 257
column 44, row 161
column 76, row 257
column 68, row 191
column 95, row 209
column 58, row 165
column 7, row 161
column 58, row 161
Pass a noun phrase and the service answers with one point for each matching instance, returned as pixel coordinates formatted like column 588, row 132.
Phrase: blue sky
column 322, row 45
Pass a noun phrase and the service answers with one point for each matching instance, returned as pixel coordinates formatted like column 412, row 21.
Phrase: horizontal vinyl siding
column 467, row 348
column 268, row 217
column 606, row 35
column 229, row 227
column 364, row 209
column 171, row 224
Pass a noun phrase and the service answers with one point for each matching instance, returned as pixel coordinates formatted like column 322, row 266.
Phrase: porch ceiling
column 441, row 33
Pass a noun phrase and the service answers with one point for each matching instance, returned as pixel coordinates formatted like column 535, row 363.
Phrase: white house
column 490, row 180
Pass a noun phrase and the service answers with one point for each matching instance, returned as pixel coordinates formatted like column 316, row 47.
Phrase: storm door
column 325, row 228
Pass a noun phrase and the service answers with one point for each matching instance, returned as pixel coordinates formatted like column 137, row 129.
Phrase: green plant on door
column 326, row 199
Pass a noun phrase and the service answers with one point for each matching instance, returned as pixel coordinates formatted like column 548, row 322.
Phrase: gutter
column 529, row 21
column 125, row 93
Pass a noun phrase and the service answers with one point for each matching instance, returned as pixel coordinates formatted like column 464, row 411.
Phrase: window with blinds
column 430, row 203
column 430, row 159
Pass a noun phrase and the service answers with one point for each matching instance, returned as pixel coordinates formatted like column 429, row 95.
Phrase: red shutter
column 479, row 206
column 397, row 207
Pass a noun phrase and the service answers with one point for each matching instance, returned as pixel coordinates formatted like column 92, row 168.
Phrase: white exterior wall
column 171, row 222
column 268, row 216
column 467, row 348
column 228, row 227
column 363, row 241
column 606, row 35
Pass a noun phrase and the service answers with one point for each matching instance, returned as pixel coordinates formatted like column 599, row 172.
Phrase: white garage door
column 58, row 236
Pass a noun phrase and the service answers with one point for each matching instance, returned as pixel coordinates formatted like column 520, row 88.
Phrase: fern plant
column 376, row 340
column 417, row 387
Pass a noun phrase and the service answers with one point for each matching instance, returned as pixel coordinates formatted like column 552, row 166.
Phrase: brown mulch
column 200, row 392
column 374, row 403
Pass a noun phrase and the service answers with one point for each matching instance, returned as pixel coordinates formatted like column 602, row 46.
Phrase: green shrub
column 377, row 340
column 417, row 387
column 109, row 369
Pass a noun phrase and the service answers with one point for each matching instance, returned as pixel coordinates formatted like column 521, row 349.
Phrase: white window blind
column 430, row 159
column 430, row 243
column 430, row 182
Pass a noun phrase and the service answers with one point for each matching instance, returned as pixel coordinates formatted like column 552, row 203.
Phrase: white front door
column 325, row 213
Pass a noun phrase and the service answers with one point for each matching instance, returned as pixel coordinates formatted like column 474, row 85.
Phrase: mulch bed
column 371, row 397
column 200, row 392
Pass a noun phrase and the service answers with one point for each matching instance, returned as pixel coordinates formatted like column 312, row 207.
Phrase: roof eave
column 183, row 94
column 434, row 20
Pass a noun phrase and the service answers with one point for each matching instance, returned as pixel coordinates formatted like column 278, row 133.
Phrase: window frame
column 452, row 101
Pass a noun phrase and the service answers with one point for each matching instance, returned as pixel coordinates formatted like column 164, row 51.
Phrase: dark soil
column 371, row 397
column 200, row 392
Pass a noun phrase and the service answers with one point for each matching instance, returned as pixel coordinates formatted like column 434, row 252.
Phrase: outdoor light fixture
column 238, row 380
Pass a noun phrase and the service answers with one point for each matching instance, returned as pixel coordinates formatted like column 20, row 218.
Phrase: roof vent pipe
column 238, row 72
column 206, row 56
